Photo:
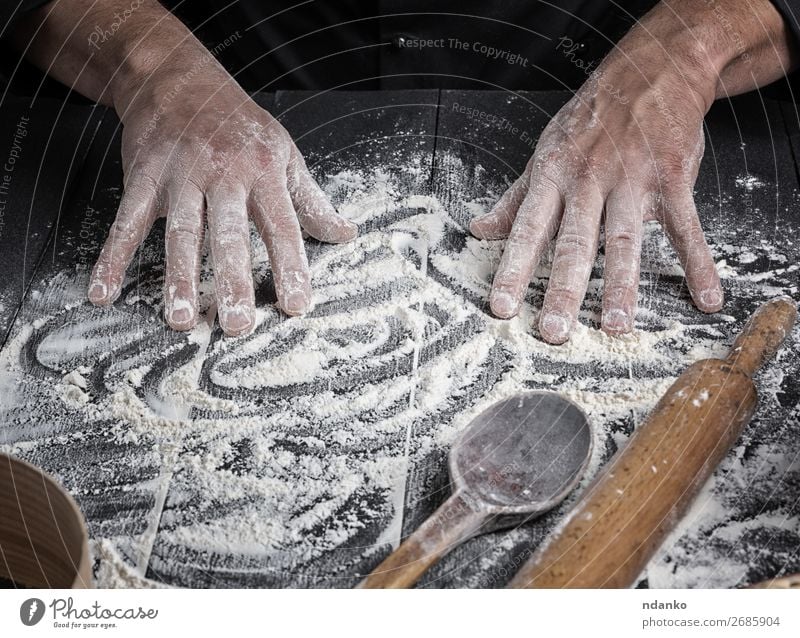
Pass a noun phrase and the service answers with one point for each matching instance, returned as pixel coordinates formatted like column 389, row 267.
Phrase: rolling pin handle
column 763, row 334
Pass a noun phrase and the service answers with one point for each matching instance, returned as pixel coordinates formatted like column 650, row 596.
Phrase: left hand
column 214, row 157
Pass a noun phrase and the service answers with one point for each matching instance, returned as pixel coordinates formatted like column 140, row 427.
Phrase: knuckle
column 622, row 273
column 125, row 229
column 586, row 169
column 500, row 216
column 222, row 189
column 265, row 183
column 572, row 240
column 507, row 280
column 543, row 183
column 140, row 182
column 181, row 225
column 622, row 238
column 514, row 193
column 296, row 163
column 617, row 291
column 523, row 238
column 672, row 169
column 229, row 225
column 683, row 225
column 279, row 221
column 290, row 277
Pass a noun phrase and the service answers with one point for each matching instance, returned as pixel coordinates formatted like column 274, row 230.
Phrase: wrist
column 714, row 48
column 642, row 65
column 152, row 54
column 158, row 74
column 678, row 51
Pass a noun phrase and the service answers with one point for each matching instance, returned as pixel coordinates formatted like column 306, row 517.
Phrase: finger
column 682, row 225
column 183, row 240
column 576, row 247
column 316, row 213
column 229, row 234
column 533, row 229
column 130, row 228
column 271, row 209
column 623, row 249
column 497, row 223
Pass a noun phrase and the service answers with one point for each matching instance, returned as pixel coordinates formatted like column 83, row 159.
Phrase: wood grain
column 43, row 540
column 455, row 521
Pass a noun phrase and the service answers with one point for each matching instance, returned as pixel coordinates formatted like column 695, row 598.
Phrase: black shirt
column 390, row 44
column 475, row 44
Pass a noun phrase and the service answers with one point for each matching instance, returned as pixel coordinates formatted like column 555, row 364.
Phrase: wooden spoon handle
column 763, row 334
column 454, row 522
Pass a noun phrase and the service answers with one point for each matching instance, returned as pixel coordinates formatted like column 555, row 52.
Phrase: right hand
column 626, row 148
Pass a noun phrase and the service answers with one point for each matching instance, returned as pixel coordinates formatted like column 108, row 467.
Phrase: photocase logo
column 31, row 611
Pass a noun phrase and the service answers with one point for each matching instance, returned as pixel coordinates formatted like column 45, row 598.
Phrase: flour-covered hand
column 627, row 148
column 594, row 156
column 209, row 156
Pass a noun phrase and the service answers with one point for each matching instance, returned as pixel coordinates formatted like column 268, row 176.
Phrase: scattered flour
column 285, row 445
column 749, row 182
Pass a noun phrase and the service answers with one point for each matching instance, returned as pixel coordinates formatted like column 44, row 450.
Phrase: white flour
column 749, row 182
column 328, row 445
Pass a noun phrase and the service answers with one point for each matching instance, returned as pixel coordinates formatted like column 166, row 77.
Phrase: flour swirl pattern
column 299, row 454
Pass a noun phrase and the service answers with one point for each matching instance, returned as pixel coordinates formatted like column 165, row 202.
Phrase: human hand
column 626, row 148
column 635, row 161
column 211, row 154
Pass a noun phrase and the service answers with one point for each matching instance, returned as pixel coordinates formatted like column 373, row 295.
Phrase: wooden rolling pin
column 648, row 485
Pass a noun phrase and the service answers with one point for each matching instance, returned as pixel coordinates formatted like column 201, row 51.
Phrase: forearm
column 110, row 51
column 714, row 47
column 756, row 45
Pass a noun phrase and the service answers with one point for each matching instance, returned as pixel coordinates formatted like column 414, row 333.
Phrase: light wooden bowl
column 43, row 539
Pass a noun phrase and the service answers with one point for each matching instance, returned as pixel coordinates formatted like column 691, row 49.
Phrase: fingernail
column 503, row 305
column 555, row 328
column 616, row 320
column 236, row 319
column 352, row 231
column 181, row 312
column 711, row 299
column 296, row 303
column 98, row 291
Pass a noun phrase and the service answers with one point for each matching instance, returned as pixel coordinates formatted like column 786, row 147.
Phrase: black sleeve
column 12, row 9
column 26, row 78
column 790, row 10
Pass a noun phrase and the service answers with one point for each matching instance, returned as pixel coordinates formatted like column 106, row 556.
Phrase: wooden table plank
column 42, row 147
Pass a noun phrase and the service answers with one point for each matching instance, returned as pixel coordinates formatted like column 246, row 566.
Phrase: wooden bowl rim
column 82, row 577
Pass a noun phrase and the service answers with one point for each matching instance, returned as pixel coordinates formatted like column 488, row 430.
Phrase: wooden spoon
column 518, row 458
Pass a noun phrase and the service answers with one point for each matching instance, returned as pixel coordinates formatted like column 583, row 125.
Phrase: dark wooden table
column 140, row 488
